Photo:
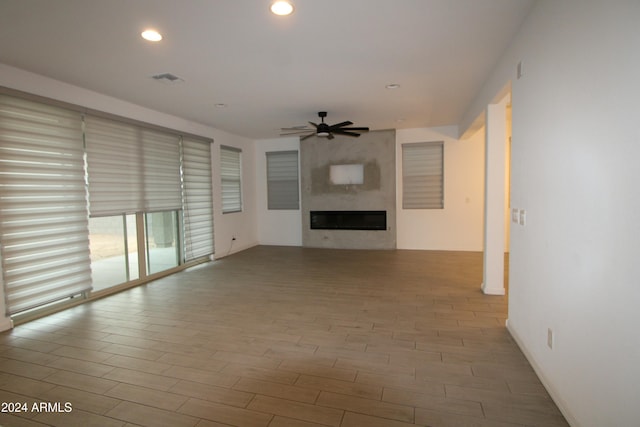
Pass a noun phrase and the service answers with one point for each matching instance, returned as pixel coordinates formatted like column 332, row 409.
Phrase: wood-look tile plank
column 150, row 417
column 80, row 366
column 256, row 361
column 225, row 414
column 372, row 407
column 158, row 382
column 226, row 396
column 25, row 369
column 82, row 354
column 147, row 396
column 23, row 410
column 31, row 356
column 77, row 418
column 22, row 385
column 429, row 401
column 283, row 391
column 339, row 386
column 297, row 410
column 201, row 376
column 81, row 382
column 352, row 419
column 80, row 399
column 271, row 375
column 140, row 353
column 279, row 421
column 194, row 360
column 429, row 417
column 16, row 421
column 136, row 364
column 302, row 367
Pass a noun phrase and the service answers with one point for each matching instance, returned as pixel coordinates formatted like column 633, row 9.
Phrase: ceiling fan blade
column 361, row 129
column 314, row 125
column 294, row 132
column 339, row 125
column 307, row 136
column 342, row 132
column 296, row 128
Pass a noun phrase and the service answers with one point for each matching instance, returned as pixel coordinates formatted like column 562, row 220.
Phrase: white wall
column 275, row 227
column 575, row 151
column 459, row 226
column 242, row 225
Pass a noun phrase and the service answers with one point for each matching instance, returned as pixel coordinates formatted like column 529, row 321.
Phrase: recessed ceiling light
column 392, row 86
column 151, row 35
column 282, row 8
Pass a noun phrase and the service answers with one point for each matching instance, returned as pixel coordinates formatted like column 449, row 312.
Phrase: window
column 43, row 204
column 230, row 172
column 282, row 180
column 423, row 175
column 89, row 202
column 197, row 199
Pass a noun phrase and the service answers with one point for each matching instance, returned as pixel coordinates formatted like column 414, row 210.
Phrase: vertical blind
column 282, row 180
column 197, row 199
column 422, row 175
column 130, row 168
column 44, row 237
column 230, row 173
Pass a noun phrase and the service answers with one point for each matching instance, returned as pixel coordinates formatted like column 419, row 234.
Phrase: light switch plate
column 515, row 215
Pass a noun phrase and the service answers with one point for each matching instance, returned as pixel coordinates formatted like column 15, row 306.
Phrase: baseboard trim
column 6, row 324
column 492, row 291
column 562, row 405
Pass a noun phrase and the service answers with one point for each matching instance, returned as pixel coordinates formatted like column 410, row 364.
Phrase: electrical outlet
column 550, row 338
column 515, row 215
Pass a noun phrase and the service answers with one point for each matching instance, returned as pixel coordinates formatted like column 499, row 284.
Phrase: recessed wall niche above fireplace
column 349, row 191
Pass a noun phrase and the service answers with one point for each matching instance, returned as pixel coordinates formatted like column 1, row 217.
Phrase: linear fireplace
column 348, row 220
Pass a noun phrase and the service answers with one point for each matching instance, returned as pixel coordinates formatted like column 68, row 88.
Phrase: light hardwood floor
column 282, row 337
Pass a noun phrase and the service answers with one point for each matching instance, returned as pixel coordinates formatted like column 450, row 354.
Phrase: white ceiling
column 270, row 71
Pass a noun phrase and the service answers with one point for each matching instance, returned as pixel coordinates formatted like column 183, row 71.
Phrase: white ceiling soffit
column 270, row 71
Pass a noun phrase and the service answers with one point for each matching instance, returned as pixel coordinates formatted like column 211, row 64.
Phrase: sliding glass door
column 114, row 250
column 114, row 244
column 89, row 202
column 161, row 241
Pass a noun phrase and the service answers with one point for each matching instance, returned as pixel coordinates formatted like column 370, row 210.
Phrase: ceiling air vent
column 167, row 78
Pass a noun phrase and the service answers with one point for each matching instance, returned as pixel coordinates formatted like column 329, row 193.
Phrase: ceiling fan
column 324, row 130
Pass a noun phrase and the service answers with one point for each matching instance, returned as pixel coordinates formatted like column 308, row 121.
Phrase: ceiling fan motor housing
column 323, row 129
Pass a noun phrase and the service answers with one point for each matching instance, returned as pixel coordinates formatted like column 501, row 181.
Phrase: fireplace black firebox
column 348, row 220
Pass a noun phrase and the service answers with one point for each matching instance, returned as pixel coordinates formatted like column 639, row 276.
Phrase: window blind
column 422, row 175
column 282, row 180
column 43, row 204
column 161, row 171
column 130, row 168
column 197, row 199
column 230, row 173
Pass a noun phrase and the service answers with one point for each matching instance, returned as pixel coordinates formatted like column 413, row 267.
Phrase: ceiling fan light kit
column 324, row 130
